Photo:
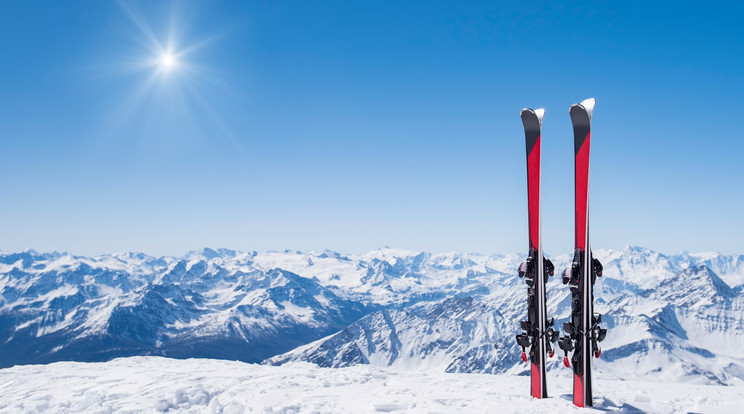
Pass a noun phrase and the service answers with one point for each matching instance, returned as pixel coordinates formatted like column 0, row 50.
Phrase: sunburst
column 174, row 88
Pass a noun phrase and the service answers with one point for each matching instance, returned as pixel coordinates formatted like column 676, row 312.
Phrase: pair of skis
column 582, row 330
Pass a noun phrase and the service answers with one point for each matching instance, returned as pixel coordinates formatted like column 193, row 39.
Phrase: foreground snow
column 154, row 384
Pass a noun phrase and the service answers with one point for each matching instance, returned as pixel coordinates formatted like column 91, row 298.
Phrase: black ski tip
column 530, row 115
column 581, row 118
column 532, row 121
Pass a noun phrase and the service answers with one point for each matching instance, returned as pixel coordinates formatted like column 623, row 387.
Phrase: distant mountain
column 455, row 335
column 208, row 304
column 673, row 316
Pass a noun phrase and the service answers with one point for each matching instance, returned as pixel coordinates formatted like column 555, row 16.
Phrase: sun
column 167, row 61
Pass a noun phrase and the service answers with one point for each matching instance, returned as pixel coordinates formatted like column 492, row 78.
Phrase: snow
column 329, row 270
column 302, row 314
column 155, row 384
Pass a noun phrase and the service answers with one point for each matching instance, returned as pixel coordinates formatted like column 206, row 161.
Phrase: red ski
column 582, row 330
column 538, row 333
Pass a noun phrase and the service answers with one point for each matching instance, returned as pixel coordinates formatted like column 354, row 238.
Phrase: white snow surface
column 156, row 384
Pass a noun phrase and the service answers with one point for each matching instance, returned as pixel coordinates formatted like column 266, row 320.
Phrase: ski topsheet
column 537, row 333
column 582, row 330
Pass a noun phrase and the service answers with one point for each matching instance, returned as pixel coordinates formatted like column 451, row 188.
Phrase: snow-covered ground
column 155, row 384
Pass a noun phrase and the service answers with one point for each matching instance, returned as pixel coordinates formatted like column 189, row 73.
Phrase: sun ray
column 215, row 120
column 140, row 23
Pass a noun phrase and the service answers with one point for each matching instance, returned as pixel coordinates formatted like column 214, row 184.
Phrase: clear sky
column 166, row 127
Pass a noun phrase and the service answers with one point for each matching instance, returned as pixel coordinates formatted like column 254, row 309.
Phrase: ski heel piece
column 522, row 269
column 597, row 267
column 549, row 269
column 527, row 268
column 566, row 276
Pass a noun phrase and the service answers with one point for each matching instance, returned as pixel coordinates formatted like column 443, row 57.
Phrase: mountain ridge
column 455, row 312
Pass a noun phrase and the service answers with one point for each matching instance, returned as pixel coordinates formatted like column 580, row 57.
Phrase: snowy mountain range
column 671, row 317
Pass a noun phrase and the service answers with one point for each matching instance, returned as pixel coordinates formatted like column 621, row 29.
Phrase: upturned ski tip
column 588, row 105
column 539, row 113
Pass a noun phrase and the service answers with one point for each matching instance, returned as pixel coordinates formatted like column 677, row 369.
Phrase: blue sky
column 353, row 125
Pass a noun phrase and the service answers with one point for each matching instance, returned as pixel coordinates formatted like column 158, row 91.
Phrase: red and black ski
column 582, row 330
column 538, row 333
